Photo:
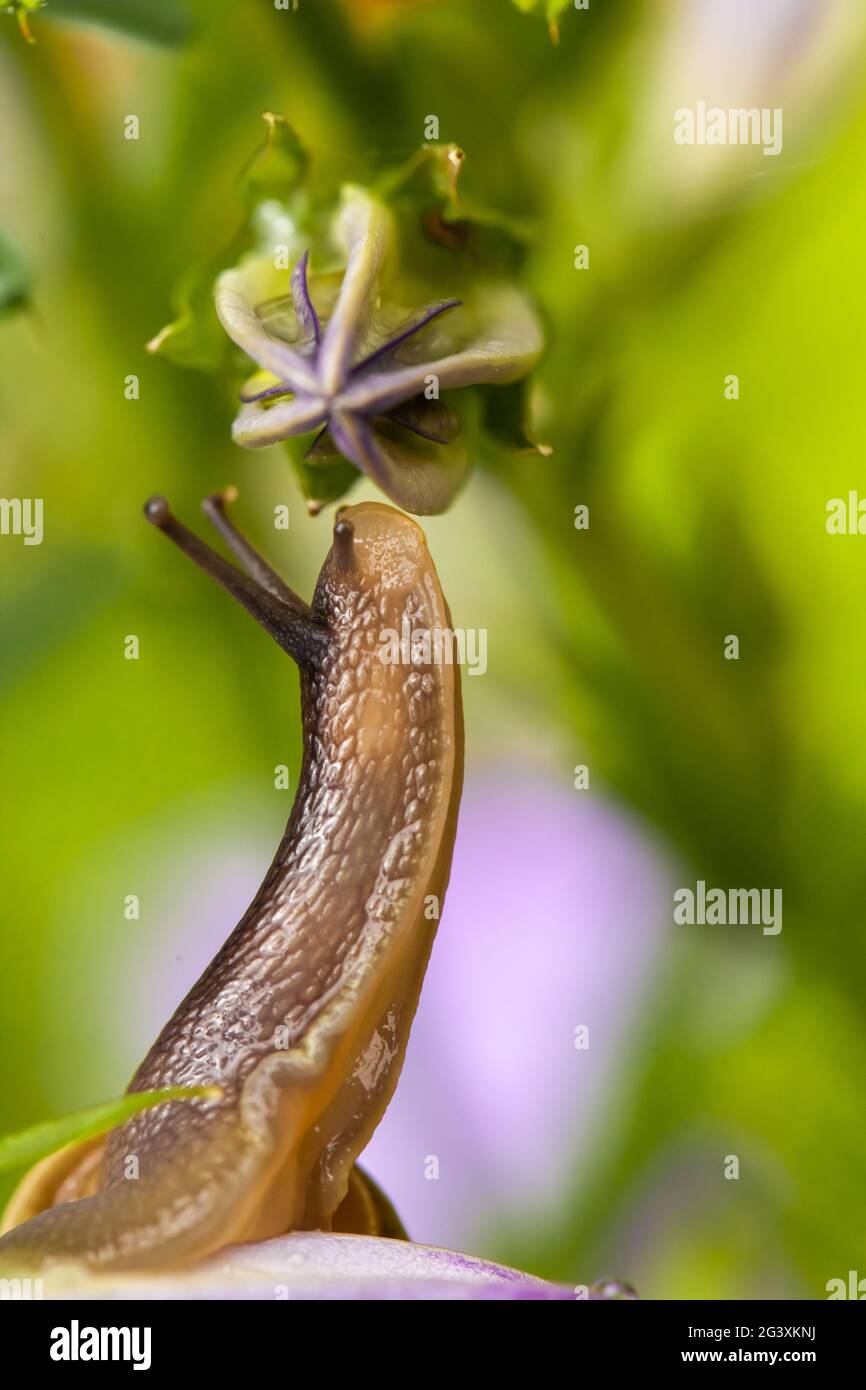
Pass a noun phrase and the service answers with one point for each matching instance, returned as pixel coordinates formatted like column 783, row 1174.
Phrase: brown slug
column 302, row 1017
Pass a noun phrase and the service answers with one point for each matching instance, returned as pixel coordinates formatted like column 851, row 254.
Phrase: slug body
column 302, row 1017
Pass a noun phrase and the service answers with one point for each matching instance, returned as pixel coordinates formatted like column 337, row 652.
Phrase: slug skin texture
column 302, row 1018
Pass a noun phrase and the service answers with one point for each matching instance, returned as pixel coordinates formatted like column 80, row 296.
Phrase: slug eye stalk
column 261, row 591
column 214, row 507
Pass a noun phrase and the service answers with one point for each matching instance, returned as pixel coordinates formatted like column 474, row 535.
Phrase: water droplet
column 612, row 1288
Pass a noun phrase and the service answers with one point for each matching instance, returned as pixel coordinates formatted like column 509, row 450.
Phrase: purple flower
column 309, row 1265
column 359, row 370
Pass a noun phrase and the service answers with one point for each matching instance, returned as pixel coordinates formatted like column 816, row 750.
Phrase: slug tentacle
column 256, row 566
column 304, row 639
column 302, row 1018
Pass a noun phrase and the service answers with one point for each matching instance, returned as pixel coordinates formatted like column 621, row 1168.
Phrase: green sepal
column 278, row 167
column 322, row 480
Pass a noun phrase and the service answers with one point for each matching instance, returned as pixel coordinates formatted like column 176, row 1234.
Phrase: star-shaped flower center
column 342, row 397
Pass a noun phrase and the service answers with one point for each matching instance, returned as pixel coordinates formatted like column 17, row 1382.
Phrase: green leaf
column 160, row 21
column 14, row 279
column 22, row 1150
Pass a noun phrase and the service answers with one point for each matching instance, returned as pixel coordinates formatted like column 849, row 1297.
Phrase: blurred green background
column 707, row 517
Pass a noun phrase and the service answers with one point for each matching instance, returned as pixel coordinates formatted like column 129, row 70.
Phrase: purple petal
column 257, row 425
column 268, row 394
column 304, row 308
column 362, row 228
column 419, row 476
column 346, row 438
column 414, row 325
column 243, row 325
column 312, row 1265
column 501, row 342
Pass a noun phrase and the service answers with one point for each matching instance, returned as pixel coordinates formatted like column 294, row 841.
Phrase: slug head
column 375, row 549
